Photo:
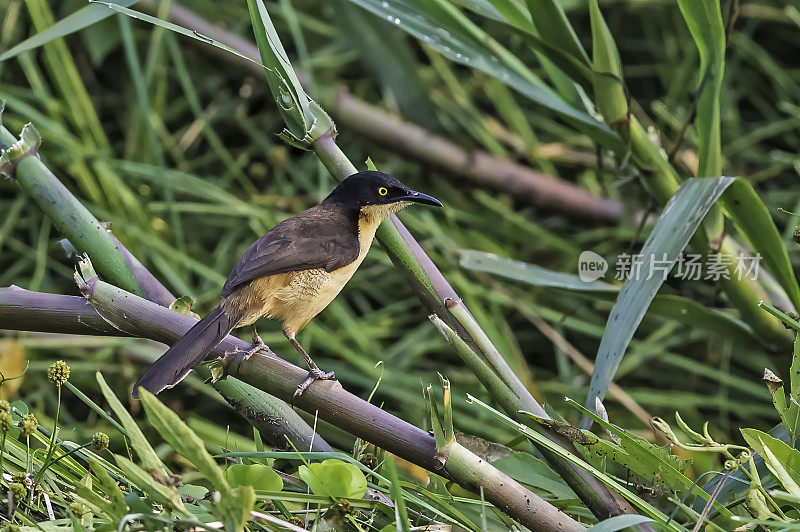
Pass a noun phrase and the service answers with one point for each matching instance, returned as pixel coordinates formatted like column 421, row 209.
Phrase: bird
column 291, row 274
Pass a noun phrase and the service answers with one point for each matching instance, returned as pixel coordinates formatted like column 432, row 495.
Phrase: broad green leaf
column 619, row 522
column 607, row 79
column 751, row 216
column 257, row 476
column 335, row 479
column 639, row 455
column 234, row 505
column 551, row 22
column 147, row 456
column 439, row 25
column 704, row 19
column 144, row 17
column 80, row 19
column 674, row 228
column 644, row 506
column 782, row 461
column 286, row 89
column 547, row 31
column 160, row 493
column 183, row 440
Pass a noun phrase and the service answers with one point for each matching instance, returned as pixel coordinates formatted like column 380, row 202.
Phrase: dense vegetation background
column 176, row 147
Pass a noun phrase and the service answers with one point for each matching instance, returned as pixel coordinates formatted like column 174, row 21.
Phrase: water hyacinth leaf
column 607, row 79
column 80, row 19
column 258, row 476
column 782, row 461
column 334, row 478
column 448, row 39
column 674, row 228
column 704, row 18
column 147, row 456
column 751, row 216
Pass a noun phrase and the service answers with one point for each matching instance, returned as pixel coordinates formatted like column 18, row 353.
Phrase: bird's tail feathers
column 173, row 366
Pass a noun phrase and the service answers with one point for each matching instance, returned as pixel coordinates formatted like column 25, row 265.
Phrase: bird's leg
column 258, row 343
column 314, row 373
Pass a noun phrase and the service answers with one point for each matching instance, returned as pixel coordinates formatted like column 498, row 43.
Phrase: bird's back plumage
column 324, row 236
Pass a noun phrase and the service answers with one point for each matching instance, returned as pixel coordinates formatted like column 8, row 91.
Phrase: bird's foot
column 239, row 355
column 314, row 374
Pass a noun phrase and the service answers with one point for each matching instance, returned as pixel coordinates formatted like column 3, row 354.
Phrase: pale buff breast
column 296, row 297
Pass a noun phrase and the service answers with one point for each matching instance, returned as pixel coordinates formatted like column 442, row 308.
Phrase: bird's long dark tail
column 187, row 352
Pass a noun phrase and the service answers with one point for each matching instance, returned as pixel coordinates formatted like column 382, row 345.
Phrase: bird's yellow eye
column 382, row 191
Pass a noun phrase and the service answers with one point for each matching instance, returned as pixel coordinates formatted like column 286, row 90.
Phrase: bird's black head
column 376, row 188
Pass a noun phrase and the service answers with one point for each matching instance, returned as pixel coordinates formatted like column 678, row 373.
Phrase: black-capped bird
column 291, row 273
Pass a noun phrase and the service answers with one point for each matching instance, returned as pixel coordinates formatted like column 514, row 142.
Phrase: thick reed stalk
column 110, row 310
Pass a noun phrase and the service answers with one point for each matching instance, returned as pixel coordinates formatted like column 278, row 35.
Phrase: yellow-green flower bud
column 796, row 234
column 78, row 509
column 5, row 406
column 100, row 441
column 28, row 424
column 5, row 421
column 18, row 490
column 58, row 372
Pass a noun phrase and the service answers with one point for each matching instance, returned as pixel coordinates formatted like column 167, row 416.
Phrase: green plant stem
column 274, row 419
column 71, row 218
column 127, row 314
column 434, row 291
column 52, row 446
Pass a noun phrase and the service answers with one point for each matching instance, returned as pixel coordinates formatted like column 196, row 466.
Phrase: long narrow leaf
column 704, row 19
column 679, row 221
column 82, row 18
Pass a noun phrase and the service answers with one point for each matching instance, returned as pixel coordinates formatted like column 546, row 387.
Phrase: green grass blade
column 82, row 18
column 751, row 216
column 704, row 18
column 679, row 221
column 451, row 33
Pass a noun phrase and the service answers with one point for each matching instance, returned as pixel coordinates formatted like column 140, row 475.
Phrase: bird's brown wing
column 309, row 240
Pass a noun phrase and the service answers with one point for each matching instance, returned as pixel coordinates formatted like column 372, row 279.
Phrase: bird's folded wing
column 304, row 248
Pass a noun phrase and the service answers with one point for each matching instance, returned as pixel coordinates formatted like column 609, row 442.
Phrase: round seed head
column 58, row 372
column 18, row 490
column 5, row 421
column 100, row 441
column 28, row 424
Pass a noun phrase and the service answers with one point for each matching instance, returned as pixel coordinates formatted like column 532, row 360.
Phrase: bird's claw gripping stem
column 314, row 374
column 239, row 355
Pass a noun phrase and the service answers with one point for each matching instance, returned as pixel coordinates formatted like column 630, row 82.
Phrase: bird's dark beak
column 419, row 197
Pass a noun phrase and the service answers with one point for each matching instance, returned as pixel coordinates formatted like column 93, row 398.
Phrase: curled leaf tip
column 27, row 145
